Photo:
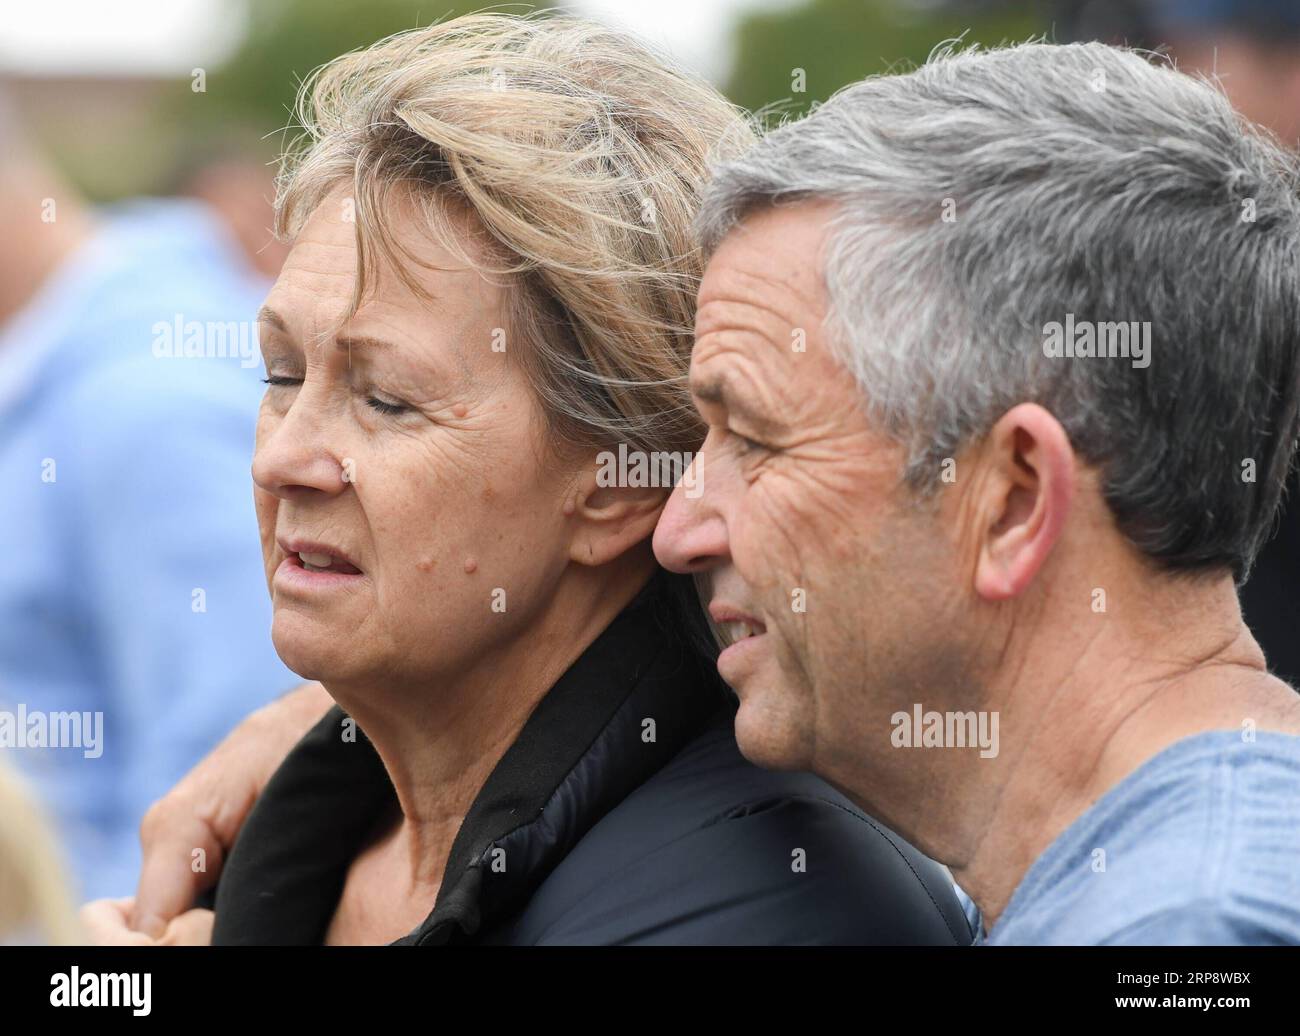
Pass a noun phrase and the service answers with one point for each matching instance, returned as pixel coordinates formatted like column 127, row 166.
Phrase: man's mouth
column 740, row 630
column 735, row 625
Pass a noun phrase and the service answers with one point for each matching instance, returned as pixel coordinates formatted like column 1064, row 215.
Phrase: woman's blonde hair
column 35, row 901
column 581, row 154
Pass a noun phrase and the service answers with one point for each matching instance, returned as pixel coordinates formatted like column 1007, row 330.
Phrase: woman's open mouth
column 313, row 566
column 324, row 563
column 296, row 575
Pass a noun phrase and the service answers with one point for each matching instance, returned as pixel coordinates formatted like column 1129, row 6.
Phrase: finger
column 182, row 857
column 192, row 928
column 104, row 922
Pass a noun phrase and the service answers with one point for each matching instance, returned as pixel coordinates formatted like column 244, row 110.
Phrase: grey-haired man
column 1001, row 366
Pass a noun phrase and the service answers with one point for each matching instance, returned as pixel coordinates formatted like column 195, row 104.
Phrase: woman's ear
column 607, row 521
column 1025, row 496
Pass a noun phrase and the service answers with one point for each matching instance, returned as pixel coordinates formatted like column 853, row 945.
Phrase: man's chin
column 768, row 739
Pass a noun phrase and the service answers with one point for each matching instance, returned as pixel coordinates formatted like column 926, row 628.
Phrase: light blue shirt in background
column 132, row 585
column 1198, row 846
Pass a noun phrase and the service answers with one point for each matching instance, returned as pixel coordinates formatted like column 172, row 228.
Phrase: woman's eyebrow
column 342, row 342
column 349, row 342
column 266, row 315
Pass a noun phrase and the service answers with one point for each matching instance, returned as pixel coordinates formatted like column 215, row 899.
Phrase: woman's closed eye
column 383, row 406
column 387, row 407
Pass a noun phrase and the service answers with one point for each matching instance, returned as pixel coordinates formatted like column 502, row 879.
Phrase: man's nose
column 691, row 535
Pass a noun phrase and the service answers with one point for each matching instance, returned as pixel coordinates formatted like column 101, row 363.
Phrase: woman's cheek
column 266, row 422
column 264, row 506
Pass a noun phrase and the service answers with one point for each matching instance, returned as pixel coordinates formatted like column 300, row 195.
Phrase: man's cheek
column 795, row 533
column 762, row 547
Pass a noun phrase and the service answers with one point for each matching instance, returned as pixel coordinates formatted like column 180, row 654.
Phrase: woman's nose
column 691, row 535
column 293, row 456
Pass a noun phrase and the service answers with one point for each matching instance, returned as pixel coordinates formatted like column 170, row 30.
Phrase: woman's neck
column 441, row 736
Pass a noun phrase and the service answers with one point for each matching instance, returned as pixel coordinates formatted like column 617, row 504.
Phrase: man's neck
column 1094, row 709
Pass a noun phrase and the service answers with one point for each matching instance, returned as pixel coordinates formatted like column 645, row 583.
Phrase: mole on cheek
column 471, row 566
column 460, row 410
column 427, row 565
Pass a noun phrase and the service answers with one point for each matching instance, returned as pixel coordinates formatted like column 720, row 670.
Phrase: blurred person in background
column 35, row 904
column 1252, row 48
column 229, row 172
column 132, row 598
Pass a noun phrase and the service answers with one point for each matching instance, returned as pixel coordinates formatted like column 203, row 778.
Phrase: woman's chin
column 313, row 652
column 306, row 664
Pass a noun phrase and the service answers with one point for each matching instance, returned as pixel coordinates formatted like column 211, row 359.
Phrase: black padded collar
column 585, row 747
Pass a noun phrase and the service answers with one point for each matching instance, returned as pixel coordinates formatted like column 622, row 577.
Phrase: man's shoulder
column 713, row 849
column 708, row 784
column 1199, row 845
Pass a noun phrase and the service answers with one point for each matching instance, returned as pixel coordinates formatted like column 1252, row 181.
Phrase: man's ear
column 1024, row 497
column 610, row 520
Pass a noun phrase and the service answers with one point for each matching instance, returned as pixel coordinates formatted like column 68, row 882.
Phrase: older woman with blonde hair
column 490, row 288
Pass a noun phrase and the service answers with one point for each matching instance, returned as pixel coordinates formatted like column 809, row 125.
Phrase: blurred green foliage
column 836, row 42
column 161, row 134
column 286, row 40
column 249, row 99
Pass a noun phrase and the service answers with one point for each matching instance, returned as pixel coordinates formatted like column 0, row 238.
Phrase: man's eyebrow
column 711, row 391
column 716, row 390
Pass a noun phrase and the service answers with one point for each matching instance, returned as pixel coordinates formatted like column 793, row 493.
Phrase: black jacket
column 599, row 827
column 1270, row 601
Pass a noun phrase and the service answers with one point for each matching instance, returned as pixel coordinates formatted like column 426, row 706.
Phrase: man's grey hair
column 988, row 194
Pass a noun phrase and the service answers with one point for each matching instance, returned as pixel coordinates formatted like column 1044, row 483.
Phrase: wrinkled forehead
column 763, row 293
column 427, row 278
column 762, row 348
column 769, row 262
